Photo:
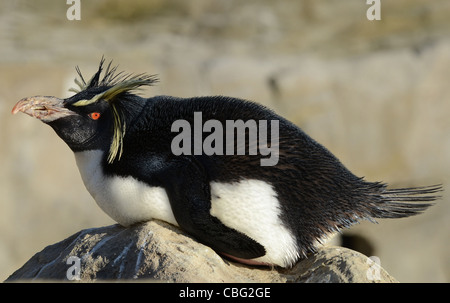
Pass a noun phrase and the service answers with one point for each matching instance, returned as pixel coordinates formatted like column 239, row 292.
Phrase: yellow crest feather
column 115, row 84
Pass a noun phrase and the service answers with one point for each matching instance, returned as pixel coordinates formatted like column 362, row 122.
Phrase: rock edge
column 157, row 251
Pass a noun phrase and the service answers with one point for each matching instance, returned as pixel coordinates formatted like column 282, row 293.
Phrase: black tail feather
column 403, row 202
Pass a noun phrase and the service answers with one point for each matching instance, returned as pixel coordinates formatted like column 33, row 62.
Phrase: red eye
column 94, row 116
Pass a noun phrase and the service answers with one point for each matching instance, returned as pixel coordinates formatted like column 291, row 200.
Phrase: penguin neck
column 131, row 108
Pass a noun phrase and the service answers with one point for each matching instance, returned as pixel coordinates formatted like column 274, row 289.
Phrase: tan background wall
column 376, row 93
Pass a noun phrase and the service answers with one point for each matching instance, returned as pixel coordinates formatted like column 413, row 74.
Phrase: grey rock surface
column 375, row 93
column 157, row 251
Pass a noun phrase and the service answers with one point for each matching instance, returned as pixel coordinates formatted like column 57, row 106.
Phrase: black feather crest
column 116, row 84
column 113, row 80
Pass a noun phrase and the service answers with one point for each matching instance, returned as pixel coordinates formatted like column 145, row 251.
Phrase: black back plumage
column 317, row 194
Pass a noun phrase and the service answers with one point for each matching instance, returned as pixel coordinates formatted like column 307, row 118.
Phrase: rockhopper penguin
column 253, row 213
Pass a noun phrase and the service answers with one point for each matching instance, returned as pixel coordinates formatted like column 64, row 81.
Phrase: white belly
column 252, row 207
column 249, row 206
column 126, row 200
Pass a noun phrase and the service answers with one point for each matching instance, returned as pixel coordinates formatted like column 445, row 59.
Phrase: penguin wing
column 188, row 189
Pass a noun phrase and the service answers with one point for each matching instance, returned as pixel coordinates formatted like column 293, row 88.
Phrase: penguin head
column 97, row 115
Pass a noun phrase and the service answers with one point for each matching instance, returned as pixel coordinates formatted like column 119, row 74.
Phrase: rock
column 161, row 252
column 375, row 93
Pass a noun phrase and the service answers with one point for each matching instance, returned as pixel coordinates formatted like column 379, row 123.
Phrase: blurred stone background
column 375, row 93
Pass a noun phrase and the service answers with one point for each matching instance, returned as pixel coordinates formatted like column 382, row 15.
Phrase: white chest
column 249, row 206
column 126, row 200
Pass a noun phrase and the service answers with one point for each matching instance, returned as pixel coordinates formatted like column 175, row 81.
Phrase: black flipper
column 189, row 194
